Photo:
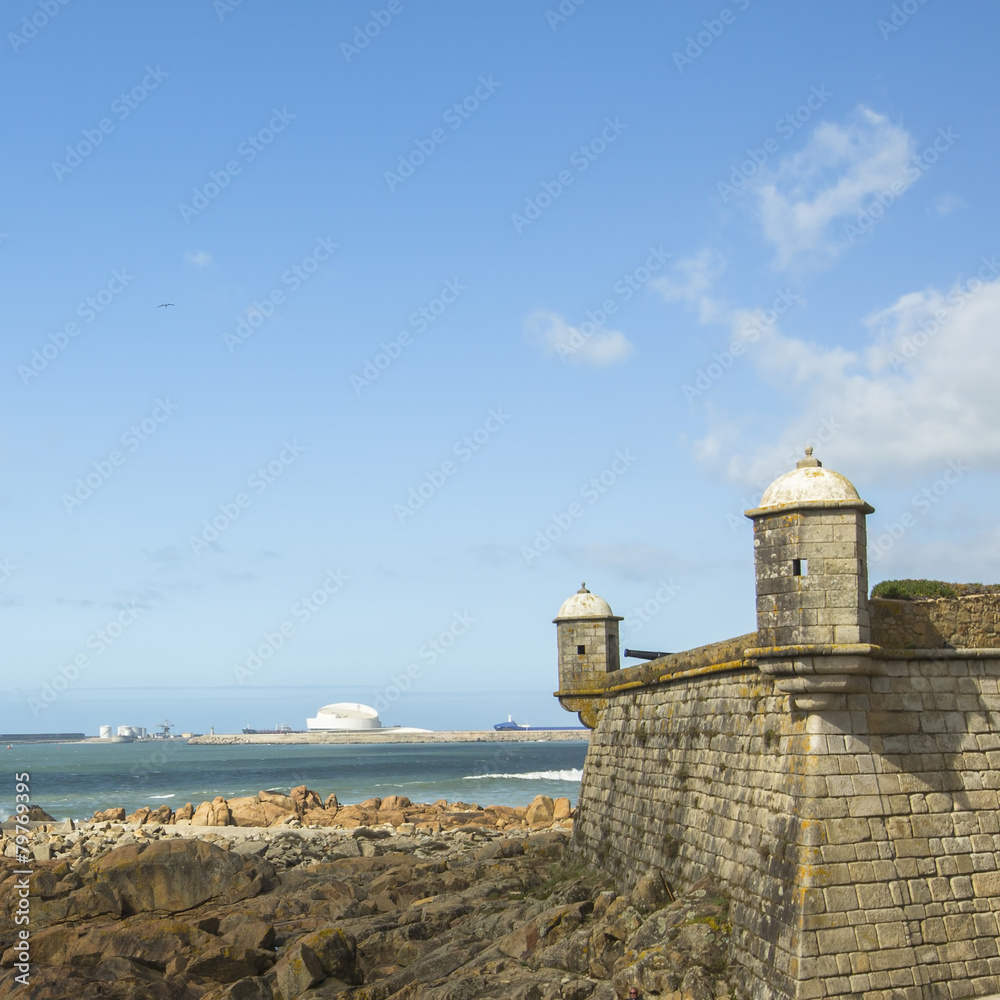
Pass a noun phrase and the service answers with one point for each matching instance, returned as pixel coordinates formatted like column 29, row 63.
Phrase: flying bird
column 163, row 305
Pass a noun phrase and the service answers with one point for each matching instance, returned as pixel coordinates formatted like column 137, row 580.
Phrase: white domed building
column 345, row 716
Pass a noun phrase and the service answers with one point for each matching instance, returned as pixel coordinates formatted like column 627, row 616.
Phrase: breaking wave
column 570, row 774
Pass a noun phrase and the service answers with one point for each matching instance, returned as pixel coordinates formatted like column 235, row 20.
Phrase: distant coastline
column 390, row 736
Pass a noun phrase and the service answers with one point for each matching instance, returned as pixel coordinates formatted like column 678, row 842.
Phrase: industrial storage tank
column 105, row 732
column 345, row 716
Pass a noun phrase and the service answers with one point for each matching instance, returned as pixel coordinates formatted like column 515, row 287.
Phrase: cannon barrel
column 643, row 654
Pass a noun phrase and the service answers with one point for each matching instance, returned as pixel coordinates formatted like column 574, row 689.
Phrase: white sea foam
column 570, row 774
column 173, row 795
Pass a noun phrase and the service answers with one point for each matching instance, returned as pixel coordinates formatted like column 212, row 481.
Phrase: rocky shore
column 447, row 901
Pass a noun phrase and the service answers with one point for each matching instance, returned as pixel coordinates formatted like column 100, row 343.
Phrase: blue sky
column 446, row 278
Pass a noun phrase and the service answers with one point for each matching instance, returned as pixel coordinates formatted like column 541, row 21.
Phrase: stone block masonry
column 960, row 622
column 860, row 845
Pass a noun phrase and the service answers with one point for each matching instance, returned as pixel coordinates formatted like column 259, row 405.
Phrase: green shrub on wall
column 913, row 590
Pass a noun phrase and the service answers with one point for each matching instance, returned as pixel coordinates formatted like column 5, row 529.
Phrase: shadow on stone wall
column 937, row 623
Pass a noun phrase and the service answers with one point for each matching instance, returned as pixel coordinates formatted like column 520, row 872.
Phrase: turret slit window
column 800, row 567
column 580, row 650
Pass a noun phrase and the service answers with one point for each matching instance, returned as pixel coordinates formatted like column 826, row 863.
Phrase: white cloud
column 200, row 258
column 691, row 282
column 922, row 395
column 585, row 344
column 838, row 172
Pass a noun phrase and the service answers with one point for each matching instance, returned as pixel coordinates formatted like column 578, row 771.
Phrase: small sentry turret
column 810, row 559
column 587, row 633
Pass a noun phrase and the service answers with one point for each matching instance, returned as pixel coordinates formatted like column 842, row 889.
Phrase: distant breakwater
column 388, row 736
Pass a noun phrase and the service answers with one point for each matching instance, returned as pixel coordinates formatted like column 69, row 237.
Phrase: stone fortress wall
column 962, row 622
column 845, row 794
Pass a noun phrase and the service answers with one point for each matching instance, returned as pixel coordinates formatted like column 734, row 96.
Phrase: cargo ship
column 510, row 725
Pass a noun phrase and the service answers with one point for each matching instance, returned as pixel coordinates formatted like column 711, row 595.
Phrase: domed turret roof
column 584, row 604
column 810, row 485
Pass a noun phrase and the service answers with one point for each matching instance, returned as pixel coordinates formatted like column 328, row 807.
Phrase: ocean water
column 74, row 780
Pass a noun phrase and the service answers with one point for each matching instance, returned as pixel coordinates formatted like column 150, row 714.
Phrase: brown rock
column 246, row 989
column 214, row 813
column 320, row 817
column 297, row 970
column 40, row 815
column 279, row 799
column 244, row 931
column 331, row 802
column 337, row 951
column 110, row 816
column 140, row 816
column 252, row 811
column 561, row 809
column 227, row 964
column 540, row 812
column 395, row 802
column 356, row 816
column 651, row 892
column 504, row 816
column 93, row 900
column 176, row 875
column 162, row 814
column 394, row 817
column 305, row 798
column 185, row 812
column 371, row 804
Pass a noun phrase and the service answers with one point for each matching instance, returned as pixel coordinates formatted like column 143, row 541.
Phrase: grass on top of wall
column 915, row 590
